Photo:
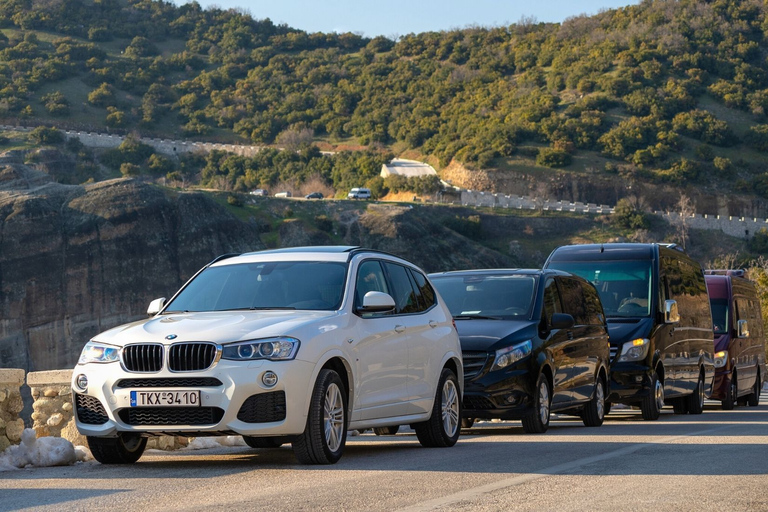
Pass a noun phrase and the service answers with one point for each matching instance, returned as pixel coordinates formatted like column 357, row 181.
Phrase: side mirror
column 671, row 315
column 155, row 306
column 742, row 328
column 377, row 302
column 562, row 321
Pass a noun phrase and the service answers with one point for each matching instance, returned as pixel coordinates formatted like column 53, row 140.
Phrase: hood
column 215, row 326
column 721, row 342
column 622, row 330
column 494, row 334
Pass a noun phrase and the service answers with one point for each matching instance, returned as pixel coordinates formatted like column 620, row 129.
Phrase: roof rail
column 223, row 257
column 726, row 272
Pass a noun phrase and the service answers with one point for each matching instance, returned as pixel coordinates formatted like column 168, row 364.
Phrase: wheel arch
column 338, row 363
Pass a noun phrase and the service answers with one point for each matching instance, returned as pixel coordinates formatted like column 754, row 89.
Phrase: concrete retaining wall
column 11, row 426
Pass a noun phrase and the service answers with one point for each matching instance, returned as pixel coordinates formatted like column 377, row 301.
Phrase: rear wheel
column 325, row 435
column 264, row 442
column 680, row 405
column 123, row 449
column 652, row 404
column 695, row 400
column 442, row 429
column 386, row 431
column 730, row 394
column 537, row 421
column 594, row 412
column 753, row 399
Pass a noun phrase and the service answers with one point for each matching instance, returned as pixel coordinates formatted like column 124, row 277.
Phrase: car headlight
column 272, row 349
column 721, row 358
column 508, row 355
column 634, row 350
column 95, row 352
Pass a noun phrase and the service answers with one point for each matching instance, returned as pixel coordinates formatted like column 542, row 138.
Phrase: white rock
column 55, row 419
column 43, row 452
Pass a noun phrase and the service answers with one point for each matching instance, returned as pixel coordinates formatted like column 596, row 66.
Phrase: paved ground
column 716, row 461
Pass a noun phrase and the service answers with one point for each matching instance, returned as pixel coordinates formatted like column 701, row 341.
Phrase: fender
column 327, row 356
column 452, row 355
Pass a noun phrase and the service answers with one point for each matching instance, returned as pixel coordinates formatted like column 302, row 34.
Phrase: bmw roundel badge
column 171, row 337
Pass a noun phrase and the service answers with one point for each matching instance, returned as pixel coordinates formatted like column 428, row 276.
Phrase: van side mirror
column 742, row 329
column 671, row 315
column 562, row 321
column 377, row 302
column 155, row 306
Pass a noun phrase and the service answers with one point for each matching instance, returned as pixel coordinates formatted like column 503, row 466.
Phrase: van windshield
column 498, row 297
column 625, row 287
column 719, row 315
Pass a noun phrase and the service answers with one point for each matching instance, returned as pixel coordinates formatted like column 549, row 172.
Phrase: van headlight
column 509, row 355
column 721, row 358
column 634, row 350
column 95, row 352
column 272, row 349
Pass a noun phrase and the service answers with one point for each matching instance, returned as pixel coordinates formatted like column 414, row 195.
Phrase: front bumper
column 506, row 395
column 219, row 407
column 630, row 383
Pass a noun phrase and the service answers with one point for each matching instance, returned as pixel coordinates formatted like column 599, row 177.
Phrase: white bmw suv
column 290, row 345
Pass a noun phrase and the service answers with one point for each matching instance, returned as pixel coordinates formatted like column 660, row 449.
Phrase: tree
column 685, row 209
column 627, row 214
column 45, row 135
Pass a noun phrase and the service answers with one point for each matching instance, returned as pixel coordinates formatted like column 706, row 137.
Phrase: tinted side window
column 370, row 278
column 594, row 309
column 573, row 300
column 402, row 291
column 426, row 293
column 551, row 301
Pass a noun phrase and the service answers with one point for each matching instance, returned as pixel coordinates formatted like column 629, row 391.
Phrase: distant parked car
column 259, row 192
column 314, row 195
column 532, row 341
column 359, row 193
column 283, row 194
column 284, row 346
column 739, row 338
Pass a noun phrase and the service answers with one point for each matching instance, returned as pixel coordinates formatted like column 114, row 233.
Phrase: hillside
column 666, row 95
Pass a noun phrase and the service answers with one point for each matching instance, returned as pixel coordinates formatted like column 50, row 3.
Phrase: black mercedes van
column 659, row 320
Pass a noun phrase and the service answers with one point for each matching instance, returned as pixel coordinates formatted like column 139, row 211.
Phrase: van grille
column 614, row 351
column 143, row 358
column 190, row 357
column 477, row 403
column 171, row 415
column 473, row 363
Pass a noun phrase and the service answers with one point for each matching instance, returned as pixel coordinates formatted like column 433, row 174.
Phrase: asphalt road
column 715, row 461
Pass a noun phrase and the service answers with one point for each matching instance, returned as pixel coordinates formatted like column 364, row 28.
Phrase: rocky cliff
column 75, row 260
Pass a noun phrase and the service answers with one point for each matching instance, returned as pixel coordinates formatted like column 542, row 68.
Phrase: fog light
column 638, row 378
column 511, row 400
column 269, row 379
column 82, row 382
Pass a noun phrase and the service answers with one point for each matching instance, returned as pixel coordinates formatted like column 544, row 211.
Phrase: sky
column 399, row 17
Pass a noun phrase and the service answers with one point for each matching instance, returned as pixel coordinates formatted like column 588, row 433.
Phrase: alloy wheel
column 333, row 414
column 450, row 408
column 544, row 402
column 600, row 396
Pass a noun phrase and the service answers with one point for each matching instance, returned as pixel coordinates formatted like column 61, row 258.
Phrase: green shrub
column 549, row 157
column 45, row 135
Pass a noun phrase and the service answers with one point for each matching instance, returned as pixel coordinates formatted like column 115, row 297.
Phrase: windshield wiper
column 260, row 308
column 475, row 317
column 177, row 311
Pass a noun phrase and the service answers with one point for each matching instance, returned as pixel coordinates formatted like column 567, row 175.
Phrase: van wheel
column 652, row 404
column 325, row 435
column 730, row 395
column 753, row 399
column 680, row 406
column 607, row 407
column 123, row 449
column 386, row 431
column 537, row 421
column 696, row 399
column 442, row 429
column 594, row 411
column 264, row 442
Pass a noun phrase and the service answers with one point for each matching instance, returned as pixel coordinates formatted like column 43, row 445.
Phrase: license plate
column 165, row 398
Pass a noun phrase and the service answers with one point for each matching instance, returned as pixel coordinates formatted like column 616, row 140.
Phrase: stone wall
column 11, row 426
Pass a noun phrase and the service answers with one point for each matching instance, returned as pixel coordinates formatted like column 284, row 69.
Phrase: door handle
column 432, row 323
column 570, row 335
column 399, row 328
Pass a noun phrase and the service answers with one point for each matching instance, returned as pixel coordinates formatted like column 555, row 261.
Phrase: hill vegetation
column 667, row 92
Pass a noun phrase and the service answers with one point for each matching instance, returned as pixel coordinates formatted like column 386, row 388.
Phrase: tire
column 264, row 442
column 695, row 400
column 680, row 405
column 386, row 431
column 753, row 399
column 607, row 408
column 442, row 429
column 467, row 422
column 594, row 411
column 124, row 449
column 325, row 435
column 729, row 402
column 652, row 404
column 537, row 421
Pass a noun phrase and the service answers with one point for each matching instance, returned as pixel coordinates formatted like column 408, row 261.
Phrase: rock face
column 76, row 260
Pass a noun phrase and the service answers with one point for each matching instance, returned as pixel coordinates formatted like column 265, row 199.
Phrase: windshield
column 265, row 285
column 719, row 315
column 496, row 296
column 625, row 287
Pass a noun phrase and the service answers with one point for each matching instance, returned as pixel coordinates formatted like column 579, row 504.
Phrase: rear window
column 497, row 296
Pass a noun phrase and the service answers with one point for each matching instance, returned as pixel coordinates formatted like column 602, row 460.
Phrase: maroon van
column 739, row 338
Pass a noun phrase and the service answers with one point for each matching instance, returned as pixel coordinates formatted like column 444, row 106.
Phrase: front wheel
column 695, row 400
column 731, row 394
column 594, row 411
column 537, row 421
column 123, row 449
column 325, row 435
column 753, row 399
column 442, row 429
column 652, row 404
